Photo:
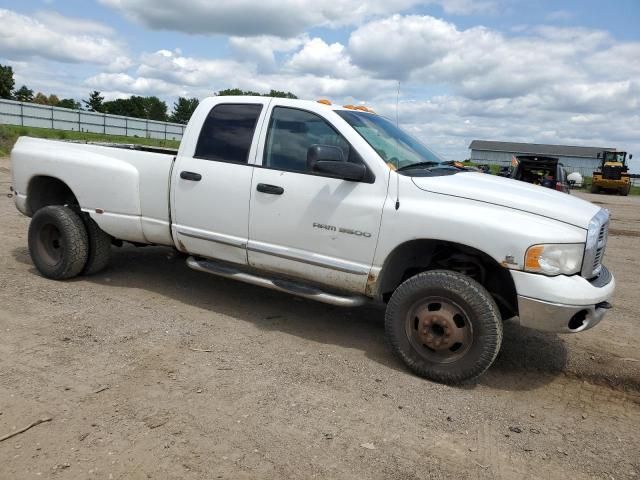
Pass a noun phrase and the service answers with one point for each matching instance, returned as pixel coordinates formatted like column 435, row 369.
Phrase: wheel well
column 44, row 191
column 418, row 256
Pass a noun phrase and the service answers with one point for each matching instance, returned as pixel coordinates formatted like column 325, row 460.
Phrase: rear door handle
column 270, row 189
column 194, row 177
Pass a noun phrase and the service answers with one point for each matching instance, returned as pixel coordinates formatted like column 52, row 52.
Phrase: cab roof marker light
column 361, row 108
column 324, row 101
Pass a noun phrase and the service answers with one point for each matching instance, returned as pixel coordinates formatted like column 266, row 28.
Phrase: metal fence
column 44, row 116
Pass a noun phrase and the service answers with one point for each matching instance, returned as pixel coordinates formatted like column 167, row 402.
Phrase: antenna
column 397, row 175
column 397, row 102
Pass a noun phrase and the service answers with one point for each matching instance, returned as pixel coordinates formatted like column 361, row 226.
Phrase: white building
column 575, row 159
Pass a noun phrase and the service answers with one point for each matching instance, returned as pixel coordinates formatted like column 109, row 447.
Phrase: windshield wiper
column 418, row 165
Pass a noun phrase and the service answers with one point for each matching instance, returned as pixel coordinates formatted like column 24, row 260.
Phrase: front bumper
column 562, row 304
column 559, row 318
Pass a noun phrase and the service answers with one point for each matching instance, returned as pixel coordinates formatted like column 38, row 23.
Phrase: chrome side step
column 288, row 286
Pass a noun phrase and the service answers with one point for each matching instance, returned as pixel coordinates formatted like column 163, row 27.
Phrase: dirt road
column 152, row 370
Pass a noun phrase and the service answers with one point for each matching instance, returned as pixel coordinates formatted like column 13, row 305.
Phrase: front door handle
column 270, row 189
column 194, row 177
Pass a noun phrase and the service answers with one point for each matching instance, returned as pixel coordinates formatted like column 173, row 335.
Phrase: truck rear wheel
column 595, row 189
column 99, row 248
column 58, row 242
column 444, row 326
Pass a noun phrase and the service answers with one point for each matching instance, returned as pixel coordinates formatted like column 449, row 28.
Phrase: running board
column 288, row 286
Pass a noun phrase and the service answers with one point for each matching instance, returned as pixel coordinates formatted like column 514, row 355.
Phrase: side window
column 227, row 133
column 291, row 133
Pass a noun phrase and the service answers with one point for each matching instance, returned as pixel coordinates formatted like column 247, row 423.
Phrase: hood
column 512, row 194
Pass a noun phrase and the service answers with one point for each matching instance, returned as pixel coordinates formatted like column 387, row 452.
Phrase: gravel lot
column 152, row 370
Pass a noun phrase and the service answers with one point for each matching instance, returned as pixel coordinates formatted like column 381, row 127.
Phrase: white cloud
column 119, row 85
column 22, row 37
column 283, row 18
column 481, row 63
column 262, row 49
column 59, row 22
column 533, row 84
column 319, row 58
column 173, row 67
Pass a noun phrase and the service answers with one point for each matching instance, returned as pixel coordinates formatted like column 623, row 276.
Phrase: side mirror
column 345, row 170
column 630, row 156
column 329, row 160
column 318, row 153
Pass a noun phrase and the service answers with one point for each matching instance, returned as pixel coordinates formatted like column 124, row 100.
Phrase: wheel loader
column 613, row 174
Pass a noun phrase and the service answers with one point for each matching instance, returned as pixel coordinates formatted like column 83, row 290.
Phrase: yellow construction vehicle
column 613, row 174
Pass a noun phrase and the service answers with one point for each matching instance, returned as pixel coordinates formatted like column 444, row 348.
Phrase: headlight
column 558, row 259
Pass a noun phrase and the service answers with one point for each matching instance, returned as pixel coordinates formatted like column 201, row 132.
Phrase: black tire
column 58, row 242
column 595, row 189
column 99, row 248
column 624, row 191
column 454, row 315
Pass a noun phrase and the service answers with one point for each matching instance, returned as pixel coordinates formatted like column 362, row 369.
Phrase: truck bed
column 125, row 188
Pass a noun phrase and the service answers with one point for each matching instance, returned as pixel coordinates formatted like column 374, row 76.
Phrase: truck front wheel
column 444, row 326
column 58, row 242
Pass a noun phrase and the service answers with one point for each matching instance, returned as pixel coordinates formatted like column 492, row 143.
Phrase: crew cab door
column 304, row 224
column 211, row 183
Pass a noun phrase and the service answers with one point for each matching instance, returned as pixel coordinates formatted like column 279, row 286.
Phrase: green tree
column 95, row 102
column 237, row 91
column 23, row 94
column 155, row 109
column 183, row 109
column 54, row 101
column 41, row 99
column 279, row 94
column 151, row 108
column 69, row 103
column 6, row 82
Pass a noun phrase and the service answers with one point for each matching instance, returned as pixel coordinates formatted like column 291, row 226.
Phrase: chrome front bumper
column 559, row 318
column 571, row 303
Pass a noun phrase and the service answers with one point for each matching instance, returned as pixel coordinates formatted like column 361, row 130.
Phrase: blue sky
column 546, row 71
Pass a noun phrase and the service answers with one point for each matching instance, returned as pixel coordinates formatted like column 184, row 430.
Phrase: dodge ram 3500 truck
column 334, row 204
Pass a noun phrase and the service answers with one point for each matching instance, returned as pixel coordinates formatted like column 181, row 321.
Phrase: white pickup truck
column 334, row 204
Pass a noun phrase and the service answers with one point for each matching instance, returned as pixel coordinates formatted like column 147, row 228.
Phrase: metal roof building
column 575, row 159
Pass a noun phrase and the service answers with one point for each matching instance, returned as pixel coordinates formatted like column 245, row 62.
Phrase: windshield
column 615, row 156
column 399, row 149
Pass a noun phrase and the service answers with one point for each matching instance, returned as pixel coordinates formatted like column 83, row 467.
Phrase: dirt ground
column 152, row 370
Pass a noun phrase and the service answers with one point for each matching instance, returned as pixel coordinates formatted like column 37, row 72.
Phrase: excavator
column 613, row 174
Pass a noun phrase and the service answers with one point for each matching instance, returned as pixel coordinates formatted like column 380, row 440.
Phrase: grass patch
column 10, row 133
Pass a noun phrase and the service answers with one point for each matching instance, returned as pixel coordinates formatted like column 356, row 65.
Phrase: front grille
column 601, row 245
column 612, row 173
column 596, row 243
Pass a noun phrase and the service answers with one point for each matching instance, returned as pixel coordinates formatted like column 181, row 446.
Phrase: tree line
column 150, row 107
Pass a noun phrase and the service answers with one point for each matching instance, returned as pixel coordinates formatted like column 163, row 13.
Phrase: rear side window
column 227, row 133
column 291, row 133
